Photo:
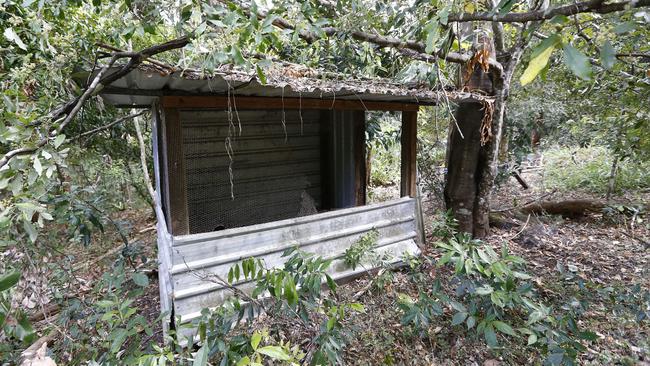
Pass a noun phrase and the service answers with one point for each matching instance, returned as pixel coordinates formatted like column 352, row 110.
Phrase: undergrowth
column 589, row 168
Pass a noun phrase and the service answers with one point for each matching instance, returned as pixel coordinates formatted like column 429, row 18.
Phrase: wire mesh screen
column 250, row 167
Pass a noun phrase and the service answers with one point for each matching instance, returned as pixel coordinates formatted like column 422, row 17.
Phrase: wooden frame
column 240, row 102
column 176, row 191
column 360, row 157
column 409, row 154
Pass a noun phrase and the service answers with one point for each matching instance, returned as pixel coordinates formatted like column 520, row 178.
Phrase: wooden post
column 360, row 157
column 176, row 181
column 409, row 153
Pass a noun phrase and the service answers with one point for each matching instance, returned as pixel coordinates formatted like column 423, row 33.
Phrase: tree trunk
column 472, row 167
column 467, row 154
column 463, row 161
column 612, row 178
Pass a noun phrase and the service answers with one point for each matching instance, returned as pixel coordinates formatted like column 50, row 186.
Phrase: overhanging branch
column 593, row 6
column 66, row 112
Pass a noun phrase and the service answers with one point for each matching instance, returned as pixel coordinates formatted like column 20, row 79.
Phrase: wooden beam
column 409, row 154
column 240, row 102
column 175, row 178
column 360, row 157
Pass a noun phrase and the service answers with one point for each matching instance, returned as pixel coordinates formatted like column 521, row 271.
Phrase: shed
column 248, row 169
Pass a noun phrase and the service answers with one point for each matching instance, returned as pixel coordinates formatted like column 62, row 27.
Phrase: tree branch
column 69, row 110
column 108, row 126
column 379, row 40
column 592, row 6
column 143, row 161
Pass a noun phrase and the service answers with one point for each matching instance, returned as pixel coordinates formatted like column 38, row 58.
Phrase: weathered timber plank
column 409, row 154
column 283, row 103
column 176, row 195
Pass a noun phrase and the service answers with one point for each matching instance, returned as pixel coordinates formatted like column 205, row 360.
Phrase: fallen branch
column 526, row 203
column 36, row 353
column 147, row 229
column 570, row 208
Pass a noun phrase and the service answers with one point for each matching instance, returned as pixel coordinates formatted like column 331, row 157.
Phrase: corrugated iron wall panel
column 197, row 257
column 275, row 162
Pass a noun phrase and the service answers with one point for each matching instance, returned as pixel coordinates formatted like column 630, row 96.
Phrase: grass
column 589, row 168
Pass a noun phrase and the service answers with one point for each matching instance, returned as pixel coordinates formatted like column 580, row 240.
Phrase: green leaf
column 577, row 62
column 539, row 59
column 503, row 7
column 260, row 74
column 11, row 36
column 30, row 230
column 37, row 166
column 244, row 361
column 624, row 27
column 490, row 336
column 275, row 352
column 607, row 55
column 504, row 328
column 290, row 291
column 559, row 19
column 255, row 340
column 471, row 322
column 532, row 339
column 589, row 336
column 484, row 290
column 9, row 280
column 118, row 336
column 59, row 140
column 432, row 31
column 357, row 307
column 458, row 306
column 140, row 279
column 458, row 318
column 201, row 357
column 330, row 323
column 105, row 303
column 108, row 316
column 24, row 330
column 237, row 55
column 521, row 275
column 555, row 358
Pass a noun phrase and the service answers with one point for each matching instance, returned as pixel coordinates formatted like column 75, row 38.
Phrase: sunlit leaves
column 11, row 36
column 577, row 62
column 274, row 352
column 539, row 59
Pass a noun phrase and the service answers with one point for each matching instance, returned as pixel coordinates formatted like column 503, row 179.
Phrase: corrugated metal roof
column 145, row 83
